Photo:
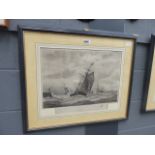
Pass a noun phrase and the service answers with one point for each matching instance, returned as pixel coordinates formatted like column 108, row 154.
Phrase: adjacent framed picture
column 74, row 77
column 149, row 96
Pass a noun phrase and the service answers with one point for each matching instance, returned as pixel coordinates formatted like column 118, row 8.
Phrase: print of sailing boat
column 82, row 95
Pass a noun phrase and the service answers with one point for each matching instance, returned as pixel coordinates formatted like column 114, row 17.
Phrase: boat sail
column 84, row 87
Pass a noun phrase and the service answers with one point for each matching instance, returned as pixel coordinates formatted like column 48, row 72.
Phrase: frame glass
column 74, row 77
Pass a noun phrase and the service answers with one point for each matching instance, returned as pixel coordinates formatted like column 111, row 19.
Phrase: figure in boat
column 85, row 86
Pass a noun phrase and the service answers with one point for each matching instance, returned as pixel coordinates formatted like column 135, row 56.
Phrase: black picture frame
column 148, row 75
column 88, row 32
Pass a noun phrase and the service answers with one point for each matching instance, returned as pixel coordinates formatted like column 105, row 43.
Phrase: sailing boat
column 85, row 86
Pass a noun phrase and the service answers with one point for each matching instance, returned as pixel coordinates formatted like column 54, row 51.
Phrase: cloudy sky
column 64, row 68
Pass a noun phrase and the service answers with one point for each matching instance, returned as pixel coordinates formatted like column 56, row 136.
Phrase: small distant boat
column 47, row 94
column 84, row 87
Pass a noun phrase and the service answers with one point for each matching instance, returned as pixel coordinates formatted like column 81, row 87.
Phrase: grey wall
column 137, row 122
column 10, row 91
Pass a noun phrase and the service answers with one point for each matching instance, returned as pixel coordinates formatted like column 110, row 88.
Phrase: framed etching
column 149, row 96
column 74, row 77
